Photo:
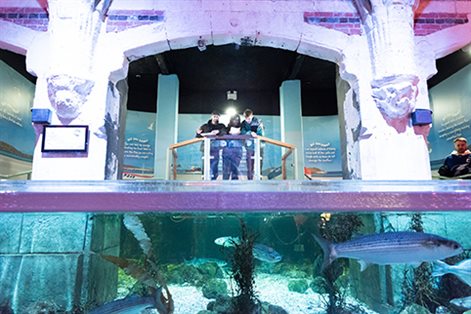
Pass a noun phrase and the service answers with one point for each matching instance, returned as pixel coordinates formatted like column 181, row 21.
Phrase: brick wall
column 428, row 23
column 119, row 20
column 349, row 23
column 34, row 18
column 346, row 22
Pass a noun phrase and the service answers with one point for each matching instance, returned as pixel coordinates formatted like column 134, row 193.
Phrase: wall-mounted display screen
column 65, row 138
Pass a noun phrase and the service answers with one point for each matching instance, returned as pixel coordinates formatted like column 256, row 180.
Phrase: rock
column 415, row 309
column 206, row 312
column 214, row 288
column 298, row 285
column 211, row 270
column 318, row 285
column 272, row 309
column 220, row 305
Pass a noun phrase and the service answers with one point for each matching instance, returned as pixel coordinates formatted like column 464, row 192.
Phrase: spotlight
column 231, row 111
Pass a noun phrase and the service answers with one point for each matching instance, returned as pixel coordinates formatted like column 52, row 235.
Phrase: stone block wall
column 44, row 258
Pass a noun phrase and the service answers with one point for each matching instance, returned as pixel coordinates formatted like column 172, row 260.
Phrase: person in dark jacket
column 252, row 126
column 232, row 153
column 459, row 161
column 213, row 128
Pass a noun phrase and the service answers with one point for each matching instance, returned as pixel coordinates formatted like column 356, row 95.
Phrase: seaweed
column 146, row 273
column 243, row 266
column 417, row 288
column 339, row 228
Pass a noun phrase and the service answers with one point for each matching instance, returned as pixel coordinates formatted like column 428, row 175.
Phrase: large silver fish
column 390, row 248
column 462, row 270
column 261, row 252
column 462, row 302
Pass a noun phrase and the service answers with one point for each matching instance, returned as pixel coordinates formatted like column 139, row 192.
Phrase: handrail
column 275, row 142
column 187, row 142
column 290, row 148
column 9, row 176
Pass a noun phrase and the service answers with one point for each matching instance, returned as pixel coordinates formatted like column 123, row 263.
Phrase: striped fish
column 403, row 247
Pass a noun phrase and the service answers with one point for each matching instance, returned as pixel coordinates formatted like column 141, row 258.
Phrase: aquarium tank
column 203, row 247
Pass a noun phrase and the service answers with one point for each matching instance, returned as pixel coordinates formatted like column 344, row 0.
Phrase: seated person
column 459, row 161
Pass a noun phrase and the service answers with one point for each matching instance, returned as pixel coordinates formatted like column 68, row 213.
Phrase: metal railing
column 257, row 153
column 18, row 174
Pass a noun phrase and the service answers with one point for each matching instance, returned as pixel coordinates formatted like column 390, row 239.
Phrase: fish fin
column 327, row 248
column 363, row 265
column 439, row 268
column 415, row 264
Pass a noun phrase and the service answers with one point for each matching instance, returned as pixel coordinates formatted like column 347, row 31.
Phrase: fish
column 200, row 261
column 261, row 252
column 227, row 241
column 462, row 270
column 462, row 302
column 403, row 247
column 265, row 253
column 133, row 304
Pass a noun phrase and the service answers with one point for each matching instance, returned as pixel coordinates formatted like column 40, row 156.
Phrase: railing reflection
column 212, row 147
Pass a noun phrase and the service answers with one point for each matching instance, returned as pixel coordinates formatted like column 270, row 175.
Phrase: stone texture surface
column 53, row 233
column 28, row 279
column 10, row 233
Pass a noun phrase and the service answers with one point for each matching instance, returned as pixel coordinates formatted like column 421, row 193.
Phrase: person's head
column 461, row 144
column 248, row 115
column 215, row 117
column 235, row 120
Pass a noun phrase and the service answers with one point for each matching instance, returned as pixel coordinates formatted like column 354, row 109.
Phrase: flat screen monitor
column 65, row 138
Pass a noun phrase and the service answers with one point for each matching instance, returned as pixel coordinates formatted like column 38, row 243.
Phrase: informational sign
column 451, row 105
column 17, row 136
column 322, row 147
column 139, row 145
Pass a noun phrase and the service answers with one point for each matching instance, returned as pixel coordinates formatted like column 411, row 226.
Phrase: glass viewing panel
column 235, row 247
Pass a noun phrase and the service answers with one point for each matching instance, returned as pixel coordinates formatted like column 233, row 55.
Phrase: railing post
column 206, row 159
column 256, row 164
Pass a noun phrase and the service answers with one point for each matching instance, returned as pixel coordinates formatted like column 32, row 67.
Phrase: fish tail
column 439, row 268
column 327, row 248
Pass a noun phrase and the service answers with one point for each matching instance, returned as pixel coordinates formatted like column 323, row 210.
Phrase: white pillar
column 166, row 123
column 384, row 82
column 291, row 121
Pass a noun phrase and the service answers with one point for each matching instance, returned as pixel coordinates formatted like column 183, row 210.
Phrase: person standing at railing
column 232, row 152
column 252, row 126
column 212, row 128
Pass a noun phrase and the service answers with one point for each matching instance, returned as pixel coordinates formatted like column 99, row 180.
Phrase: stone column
column 291, row 121
column 56, row 257
column 384, row 81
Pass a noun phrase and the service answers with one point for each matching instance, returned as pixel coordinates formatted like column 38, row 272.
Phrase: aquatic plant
column 417, row 288
column 146, row 273
column 243, row 272
column 339, row 228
